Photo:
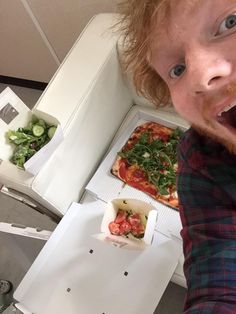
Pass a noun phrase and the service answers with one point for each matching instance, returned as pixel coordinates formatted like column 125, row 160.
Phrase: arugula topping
column 157, row 159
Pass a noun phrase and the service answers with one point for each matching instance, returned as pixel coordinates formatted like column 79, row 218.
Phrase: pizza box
column 144, row 210
column 14, row 114
column 106, row 186
column 92, row 270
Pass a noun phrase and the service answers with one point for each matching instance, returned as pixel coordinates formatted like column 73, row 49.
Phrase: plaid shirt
column 207, row 192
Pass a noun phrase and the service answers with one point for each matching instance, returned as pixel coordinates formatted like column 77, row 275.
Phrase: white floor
column 12, row 211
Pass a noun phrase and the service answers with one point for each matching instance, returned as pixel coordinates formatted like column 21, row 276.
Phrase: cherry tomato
column 114, row 228
column 134, row 220
column 121, row 216
column 138, row 230
column 125, row 227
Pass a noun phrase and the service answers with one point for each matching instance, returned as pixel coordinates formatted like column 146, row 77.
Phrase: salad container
column 128, row 223
column 17, row 139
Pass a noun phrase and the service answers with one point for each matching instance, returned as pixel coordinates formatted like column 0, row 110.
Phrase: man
column 184, row 50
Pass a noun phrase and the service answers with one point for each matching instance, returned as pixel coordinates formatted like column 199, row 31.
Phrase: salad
column 128, row 223
column 29, row 140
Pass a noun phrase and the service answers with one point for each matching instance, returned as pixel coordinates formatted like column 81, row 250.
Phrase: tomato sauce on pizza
column 148, row 162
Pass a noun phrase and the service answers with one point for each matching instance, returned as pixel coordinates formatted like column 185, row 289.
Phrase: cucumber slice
column 38, row 130
column 42, row 123
column 51, row 131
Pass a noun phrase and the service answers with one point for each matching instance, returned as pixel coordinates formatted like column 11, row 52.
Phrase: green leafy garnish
column 156, row 158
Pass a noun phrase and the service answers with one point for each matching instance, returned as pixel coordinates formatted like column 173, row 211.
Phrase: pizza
column 148, row 162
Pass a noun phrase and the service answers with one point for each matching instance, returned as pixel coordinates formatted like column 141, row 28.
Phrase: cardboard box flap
column 13, row 114
column 36, row 162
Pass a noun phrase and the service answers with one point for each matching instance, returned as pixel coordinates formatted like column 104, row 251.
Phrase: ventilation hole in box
column 126, row 273
column 68, row 289
column 91, row 251
column 8, row 113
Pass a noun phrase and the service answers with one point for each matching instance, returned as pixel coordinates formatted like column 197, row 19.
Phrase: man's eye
column 177, row 71
column 228, row 23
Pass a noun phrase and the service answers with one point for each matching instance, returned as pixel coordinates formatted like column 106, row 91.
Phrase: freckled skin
column 203, row 42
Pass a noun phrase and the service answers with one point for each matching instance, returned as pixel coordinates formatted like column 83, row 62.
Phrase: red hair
column 137, row 22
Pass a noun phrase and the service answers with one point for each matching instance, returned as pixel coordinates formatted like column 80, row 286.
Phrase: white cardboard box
column 14, row 114
column 103, row 184
column 87, row 276
column 128, row 241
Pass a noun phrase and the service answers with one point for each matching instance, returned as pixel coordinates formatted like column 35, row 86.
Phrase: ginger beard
column 221, row 127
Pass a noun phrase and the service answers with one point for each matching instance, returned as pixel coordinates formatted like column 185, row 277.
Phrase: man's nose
column 208, row 69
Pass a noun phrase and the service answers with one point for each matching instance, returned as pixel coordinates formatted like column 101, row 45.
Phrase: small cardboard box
column 36, row 162
column 14, row 114
column 129, row 241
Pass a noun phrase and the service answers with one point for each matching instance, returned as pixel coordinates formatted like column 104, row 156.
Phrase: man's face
column 196, row 57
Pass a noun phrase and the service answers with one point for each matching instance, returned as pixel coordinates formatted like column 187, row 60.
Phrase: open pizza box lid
column 15, row 114
column 144, row 211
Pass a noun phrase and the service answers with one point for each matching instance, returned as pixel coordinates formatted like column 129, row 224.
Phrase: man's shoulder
column 195, row 149
column 198, row 151
column 191, row 141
